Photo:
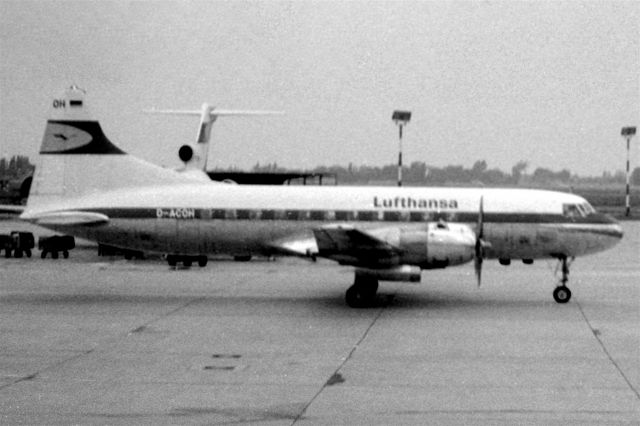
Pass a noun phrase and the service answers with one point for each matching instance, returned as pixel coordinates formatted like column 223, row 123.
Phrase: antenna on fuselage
column 197, row 158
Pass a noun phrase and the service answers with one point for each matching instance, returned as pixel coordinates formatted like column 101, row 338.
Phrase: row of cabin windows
column 324, row 215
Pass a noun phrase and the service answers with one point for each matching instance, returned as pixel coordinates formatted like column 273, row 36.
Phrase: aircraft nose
column 614, row 227
column 616, row 231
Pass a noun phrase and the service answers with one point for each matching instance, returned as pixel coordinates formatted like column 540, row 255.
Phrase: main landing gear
column 362, row 293
column 562, row 294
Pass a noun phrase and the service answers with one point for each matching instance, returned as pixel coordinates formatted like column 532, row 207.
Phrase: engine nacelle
column 438, row 245
column 398, row 273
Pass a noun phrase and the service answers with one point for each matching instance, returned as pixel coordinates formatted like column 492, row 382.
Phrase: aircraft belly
column 520, row 240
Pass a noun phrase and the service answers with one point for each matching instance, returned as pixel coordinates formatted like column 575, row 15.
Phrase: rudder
column 76, row 157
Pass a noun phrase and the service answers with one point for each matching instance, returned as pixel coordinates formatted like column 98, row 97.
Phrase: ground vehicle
column 108, row 250
column 17, row 243
column 56, row 244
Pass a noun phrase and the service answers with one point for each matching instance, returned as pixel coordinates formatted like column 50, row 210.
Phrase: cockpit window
column 588, row 208
column 571, row 211
column 577, row 210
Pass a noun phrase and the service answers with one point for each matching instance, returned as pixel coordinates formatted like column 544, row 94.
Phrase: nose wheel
column 562, row 294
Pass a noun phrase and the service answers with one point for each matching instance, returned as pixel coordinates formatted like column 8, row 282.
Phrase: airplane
column 195, row 158
column 87, row 186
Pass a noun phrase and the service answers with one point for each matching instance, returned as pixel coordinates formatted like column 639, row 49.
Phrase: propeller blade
column 479, row 255
column 478, row 267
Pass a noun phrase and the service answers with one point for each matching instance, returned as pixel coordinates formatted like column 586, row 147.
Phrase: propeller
column 480, row 244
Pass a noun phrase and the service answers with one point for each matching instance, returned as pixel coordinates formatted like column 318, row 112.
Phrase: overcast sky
column 550, row 83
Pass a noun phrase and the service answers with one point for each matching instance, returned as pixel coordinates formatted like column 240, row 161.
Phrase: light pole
column 401, row 118
column 628, row 133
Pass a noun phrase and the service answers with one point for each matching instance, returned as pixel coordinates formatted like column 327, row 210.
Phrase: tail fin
column 197, row 159
column 76, row 158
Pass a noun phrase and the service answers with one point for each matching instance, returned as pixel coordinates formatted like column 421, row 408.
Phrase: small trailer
column 17, row 243
column 56, row 244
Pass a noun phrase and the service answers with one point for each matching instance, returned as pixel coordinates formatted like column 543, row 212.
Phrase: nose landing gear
column 562, row 294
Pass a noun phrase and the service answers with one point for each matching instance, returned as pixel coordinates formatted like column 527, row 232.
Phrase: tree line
column 416, row 173
column 419, row 173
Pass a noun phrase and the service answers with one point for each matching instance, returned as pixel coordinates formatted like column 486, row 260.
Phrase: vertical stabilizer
column 76, row 158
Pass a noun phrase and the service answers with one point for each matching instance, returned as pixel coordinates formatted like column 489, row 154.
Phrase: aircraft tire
column 562, row 294
column 28, row 252
column 65, row 254
column 202, row 261
column 361, row 296
column 172, row 261
column 354, row 297
column 43, row 254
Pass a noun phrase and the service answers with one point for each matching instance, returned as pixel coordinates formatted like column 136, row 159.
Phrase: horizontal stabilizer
column 67, row 218
column 11, row 210
column 213, row 112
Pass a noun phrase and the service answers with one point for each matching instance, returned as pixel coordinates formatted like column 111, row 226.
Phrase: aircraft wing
column 67, row 218
column 349, row 245
column 342, row 243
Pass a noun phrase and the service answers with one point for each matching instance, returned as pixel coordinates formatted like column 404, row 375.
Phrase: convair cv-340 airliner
column 87, row 186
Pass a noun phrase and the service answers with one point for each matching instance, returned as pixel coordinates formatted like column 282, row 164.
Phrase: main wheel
column 172, row 260
column 28, row 252
column 202, row 261
column 355, row 298
column 65, row 254
column 562, row 294
column 43, row 254
column 362, row 293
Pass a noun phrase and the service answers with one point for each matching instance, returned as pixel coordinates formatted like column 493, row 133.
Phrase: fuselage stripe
column 181, row 213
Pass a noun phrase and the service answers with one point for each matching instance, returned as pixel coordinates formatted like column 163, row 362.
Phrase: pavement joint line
column 336, row 373
column 33, row 376
column 142, row 327
column 596, row 333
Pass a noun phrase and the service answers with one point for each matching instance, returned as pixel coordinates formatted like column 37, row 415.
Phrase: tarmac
column 91, row 340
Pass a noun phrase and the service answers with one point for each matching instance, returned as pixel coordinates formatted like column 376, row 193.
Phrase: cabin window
column 292, row 214
column 316, row 215
column 268, row 215
column 392, row 216
column 367, row 215
column 344, row 215
column 417, row 216
column 243, row 214
column 218, row 214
